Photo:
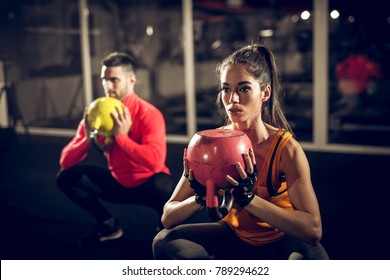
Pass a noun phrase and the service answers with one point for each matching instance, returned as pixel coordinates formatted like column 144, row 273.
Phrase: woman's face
column 241, row 95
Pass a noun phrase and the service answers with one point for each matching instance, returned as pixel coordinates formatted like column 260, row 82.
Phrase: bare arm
column 181, row 206
column 304, row 222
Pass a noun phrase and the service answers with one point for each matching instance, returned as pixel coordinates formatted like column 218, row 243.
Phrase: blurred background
column 334, row 59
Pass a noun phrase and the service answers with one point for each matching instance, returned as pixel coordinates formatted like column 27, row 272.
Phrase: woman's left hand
column 242, row 187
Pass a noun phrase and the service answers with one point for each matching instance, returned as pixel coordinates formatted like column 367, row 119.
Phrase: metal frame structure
column 320, row 95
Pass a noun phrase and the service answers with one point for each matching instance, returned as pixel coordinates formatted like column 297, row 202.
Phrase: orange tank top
column 248, row 227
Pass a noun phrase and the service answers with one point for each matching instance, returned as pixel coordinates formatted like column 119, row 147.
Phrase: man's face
column 117, row 82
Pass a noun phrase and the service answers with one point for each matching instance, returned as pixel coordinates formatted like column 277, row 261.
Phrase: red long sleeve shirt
column 135, row 157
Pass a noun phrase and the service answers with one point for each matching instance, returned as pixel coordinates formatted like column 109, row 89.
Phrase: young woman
column 275, row 214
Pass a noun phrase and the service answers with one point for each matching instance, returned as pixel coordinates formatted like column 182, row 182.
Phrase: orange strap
column 270, row 188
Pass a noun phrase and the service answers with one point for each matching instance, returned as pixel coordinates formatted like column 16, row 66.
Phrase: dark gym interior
column 43, row 55
column 39, row 222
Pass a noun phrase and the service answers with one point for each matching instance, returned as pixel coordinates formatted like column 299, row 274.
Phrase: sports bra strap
column 270, row 188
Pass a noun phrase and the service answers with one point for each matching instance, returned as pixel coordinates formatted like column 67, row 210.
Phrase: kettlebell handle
column 217, row 213
column 93, row 138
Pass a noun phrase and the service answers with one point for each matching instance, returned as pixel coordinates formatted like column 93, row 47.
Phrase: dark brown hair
column 120, row 59
column 260, row 64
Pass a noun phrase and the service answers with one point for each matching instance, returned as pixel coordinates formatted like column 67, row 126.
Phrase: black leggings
column 85, row 184
column 218, row 241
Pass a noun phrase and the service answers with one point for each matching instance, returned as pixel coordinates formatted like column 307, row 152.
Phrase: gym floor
column 38, row 222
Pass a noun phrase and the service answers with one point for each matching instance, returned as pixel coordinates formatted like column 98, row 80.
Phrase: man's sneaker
column 103, row 233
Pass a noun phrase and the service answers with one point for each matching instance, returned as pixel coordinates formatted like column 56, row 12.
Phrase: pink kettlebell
column 213, row 154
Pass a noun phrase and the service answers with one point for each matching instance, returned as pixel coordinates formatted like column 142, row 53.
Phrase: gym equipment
column 99, row 120
column 99, row 117
column 212, row 154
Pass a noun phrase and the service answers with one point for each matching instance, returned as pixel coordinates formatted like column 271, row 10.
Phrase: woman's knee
column 307, row 251
column 318, row 252
column 187, row 241
column 159, row 245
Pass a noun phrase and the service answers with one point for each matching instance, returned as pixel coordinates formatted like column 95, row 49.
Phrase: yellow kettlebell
column 98, row 115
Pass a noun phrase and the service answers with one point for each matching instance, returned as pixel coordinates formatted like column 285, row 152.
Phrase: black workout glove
column 243, row 192
column 200, row 191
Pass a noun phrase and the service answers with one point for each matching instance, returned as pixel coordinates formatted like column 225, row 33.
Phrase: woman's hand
column 199, row 189
column 242, row 187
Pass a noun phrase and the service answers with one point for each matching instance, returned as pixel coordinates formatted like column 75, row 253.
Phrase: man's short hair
column 120, row 59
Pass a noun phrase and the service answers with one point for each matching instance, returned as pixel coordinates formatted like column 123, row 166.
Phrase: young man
column 136, row 171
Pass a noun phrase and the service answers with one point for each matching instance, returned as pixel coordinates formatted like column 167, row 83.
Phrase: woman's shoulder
column 283, row 139
column 292, row 148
